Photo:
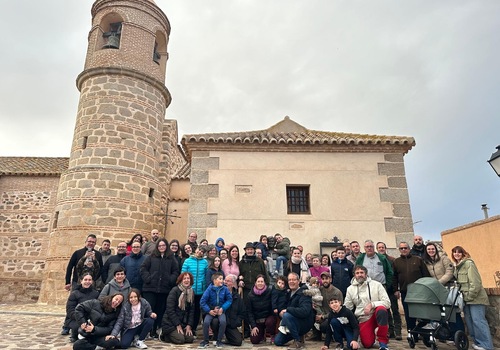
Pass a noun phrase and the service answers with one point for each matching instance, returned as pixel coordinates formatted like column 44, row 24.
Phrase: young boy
column 279, row 295
column 215, row 301
column 343, row 325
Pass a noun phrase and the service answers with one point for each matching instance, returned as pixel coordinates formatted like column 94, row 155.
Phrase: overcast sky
column 427, row 69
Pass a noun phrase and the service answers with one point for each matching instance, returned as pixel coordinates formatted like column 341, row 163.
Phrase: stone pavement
column 36, row 326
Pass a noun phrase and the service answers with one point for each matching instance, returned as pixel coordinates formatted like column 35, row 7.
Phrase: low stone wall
column 493, row 312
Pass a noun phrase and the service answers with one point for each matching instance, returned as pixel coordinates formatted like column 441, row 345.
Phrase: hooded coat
column 360, row 294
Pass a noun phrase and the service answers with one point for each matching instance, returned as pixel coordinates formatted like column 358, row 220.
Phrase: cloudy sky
column 427, row 69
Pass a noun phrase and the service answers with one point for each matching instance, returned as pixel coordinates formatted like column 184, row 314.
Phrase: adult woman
column 334, row 256
column 119, row 284
column 260, row 313
column 176, row 251
column 83, row 292
column 317, row 268
column 136, row 319
column 440, row 267
column 223, row 253
column 178, row 321
column 213, row 267
column 298, row 265
column 135, row 238
column 159, row 273
column 204, row 242
column 231, row 266
column 309, row 260
column 325, row 260
column 96, row 319
column 475, row 298
column 211, row 252
column 186, row 252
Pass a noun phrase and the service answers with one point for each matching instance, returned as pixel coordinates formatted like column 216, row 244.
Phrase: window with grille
column 297, row 199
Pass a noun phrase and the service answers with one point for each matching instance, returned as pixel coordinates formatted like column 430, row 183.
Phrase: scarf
column 185, row 297
column 296, row 260
column 259, row 291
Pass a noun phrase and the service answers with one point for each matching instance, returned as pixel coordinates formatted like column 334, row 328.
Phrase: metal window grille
column 298, row 199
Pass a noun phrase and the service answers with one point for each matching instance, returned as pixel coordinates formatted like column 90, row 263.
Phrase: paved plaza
column 35, row 326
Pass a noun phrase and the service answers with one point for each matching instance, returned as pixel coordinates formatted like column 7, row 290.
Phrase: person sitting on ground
column 136, row 319
column 119, row 284
column 178, row 320
column 260, row 313
column 214, row 302
column 343, row 325
column 83, row 292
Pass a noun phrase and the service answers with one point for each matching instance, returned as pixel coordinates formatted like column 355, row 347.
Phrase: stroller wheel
column 434, row 346
column 411, row 341
column 427, row 341
column 461, row 340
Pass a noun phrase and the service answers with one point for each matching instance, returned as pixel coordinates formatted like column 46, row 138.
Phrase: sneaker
column 296, row 345
column 65, row 331
column 283, row 329
column 140, row 344
column 275, row 274
column 383, row 346
column 99, row 347
column 450, row 342
column 272, row 339
column 339, row 346
column 203, row 345
column 219, row 345
column 477, row 347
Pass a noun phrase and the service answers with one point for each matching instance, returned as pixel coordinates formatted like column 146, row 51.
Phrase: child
column 279, row 295
column 215, row 301
column 317, row 298
column 343, row 325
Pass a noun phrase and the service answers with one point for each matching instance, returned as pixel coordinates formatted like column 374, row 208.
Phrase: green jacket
column 470, row 282
column 386, row 264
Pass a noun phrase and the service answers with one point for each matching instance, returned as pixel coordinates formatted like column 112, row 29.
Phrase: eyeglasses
column 403, row 248
column 369, row 246
column 136, row 247
column 122, row 247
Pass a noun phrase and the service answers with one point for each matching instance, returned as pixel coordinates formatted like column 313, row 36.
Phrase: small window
column 156, row 54
column 84, row 142
column 56, row 217
column 112, row 37
column 297, row 199
column 151, row 192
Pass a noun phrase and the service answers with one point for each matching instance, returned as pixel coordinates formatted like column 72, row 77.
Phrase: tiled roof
column 184, row 172
column 35, row 166
column 289, row 132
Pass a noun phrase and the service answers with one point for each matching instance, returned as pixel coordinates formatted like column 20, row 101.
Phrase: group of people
column 163, row 289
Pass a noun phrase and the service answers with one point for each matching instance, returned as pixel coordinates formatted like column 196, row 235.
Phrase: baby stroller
column 426, row 300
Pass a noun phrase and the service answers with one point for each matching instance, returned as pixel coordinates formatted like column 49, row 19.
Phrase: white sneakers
column 140, row 344
column 477, row 347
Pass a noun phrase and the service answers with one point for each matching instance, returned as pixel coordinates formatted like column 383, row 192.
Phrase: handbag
column 455, row 297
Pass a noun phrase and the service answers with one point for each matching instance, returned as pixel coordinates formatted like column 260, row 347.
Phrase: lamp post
column 495, row 161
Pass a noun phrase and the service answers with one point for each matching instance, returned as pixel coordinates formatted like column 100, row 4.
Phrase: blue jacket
column 216, row 296
column 132, row 265
column 342, row 274
column 198, row 268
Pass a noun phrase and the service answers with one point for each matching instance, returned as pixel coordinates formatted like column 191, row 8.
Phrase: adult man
column 149, row 247
column 197, row 265
column 347, row 247
column 132, row 264
column 341, row 270
column 193, row 236
column 298, row 317
column 235, row 314
column 87, row 251
column 250, row 267
column 113, row 262
column 379, row 268
column 370, row 300
column 418, row 248
column 355, row 251
column 407, row 269
column 328, row 291
column 394, row 315
column 282, row 248
column 105, row 250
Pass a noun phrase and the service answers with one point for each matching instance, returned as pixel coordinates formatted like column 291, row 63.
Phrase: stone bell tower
column 112, row 187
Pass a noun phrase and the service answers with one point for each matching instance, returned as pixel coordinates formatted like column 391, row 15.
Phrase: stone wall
column 26, row 210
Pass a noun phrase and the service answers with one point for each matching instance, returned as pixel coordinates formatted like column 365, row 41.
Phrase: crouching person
column 298, row 317
column 178, row 320
column 135, row 319
column 214, row 303
column 96, row 319
column 343, row 325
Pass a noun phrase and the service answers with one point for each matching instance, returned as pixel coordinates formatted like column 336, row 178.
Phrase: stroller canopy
column 426, row 290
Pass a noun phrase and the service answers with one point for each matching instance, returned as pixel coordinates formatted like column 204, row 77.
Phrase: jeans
column 297, row 327
column 142, row 330
column 279, row 261
column 222, row 326
column 341, row 332
column 475, row 317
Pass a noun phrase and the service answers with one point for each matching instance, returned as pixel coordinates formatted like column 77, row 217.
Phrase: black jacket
column 79, row 295
column 236, row 312
column 159, row 274
column 110, row 266
column 279, row 299
column 250, row 268
column 73, row 261
column 103, row 322
column 259, row 306
column 174, row 316
column 300, row 306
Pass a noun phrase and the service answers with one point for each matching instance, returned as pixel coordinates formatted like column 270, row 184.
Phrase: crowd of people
column 270, row 290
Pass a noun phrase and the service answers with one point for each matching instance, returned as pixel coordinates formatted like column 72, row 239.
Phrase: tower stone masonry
column 114, row 185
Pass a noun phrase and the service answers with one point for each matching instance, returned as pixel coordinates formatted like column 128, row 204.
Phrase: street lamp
column 495, row 161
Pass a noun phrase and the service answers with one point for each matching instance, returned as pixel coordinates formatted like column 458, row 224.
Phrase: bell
column 112, row 43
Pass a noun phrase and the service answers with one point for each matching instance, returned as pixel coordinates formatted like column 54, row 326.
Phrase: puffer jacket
column 471, row 285
column 342, row 274
column 174, row 316
column 216, row 296
column 159, row 273
column 259, row 306
column 103, row 322
column 113, row 287
column 442, row 270
column 79, row 295
column 125, row 318
column 198, row 268
column 359, row 295
column 283, row 247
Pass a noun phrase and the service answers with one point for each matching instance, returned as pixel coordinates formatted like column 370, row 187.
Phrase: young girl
column 279, row 295
column 215, row 266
